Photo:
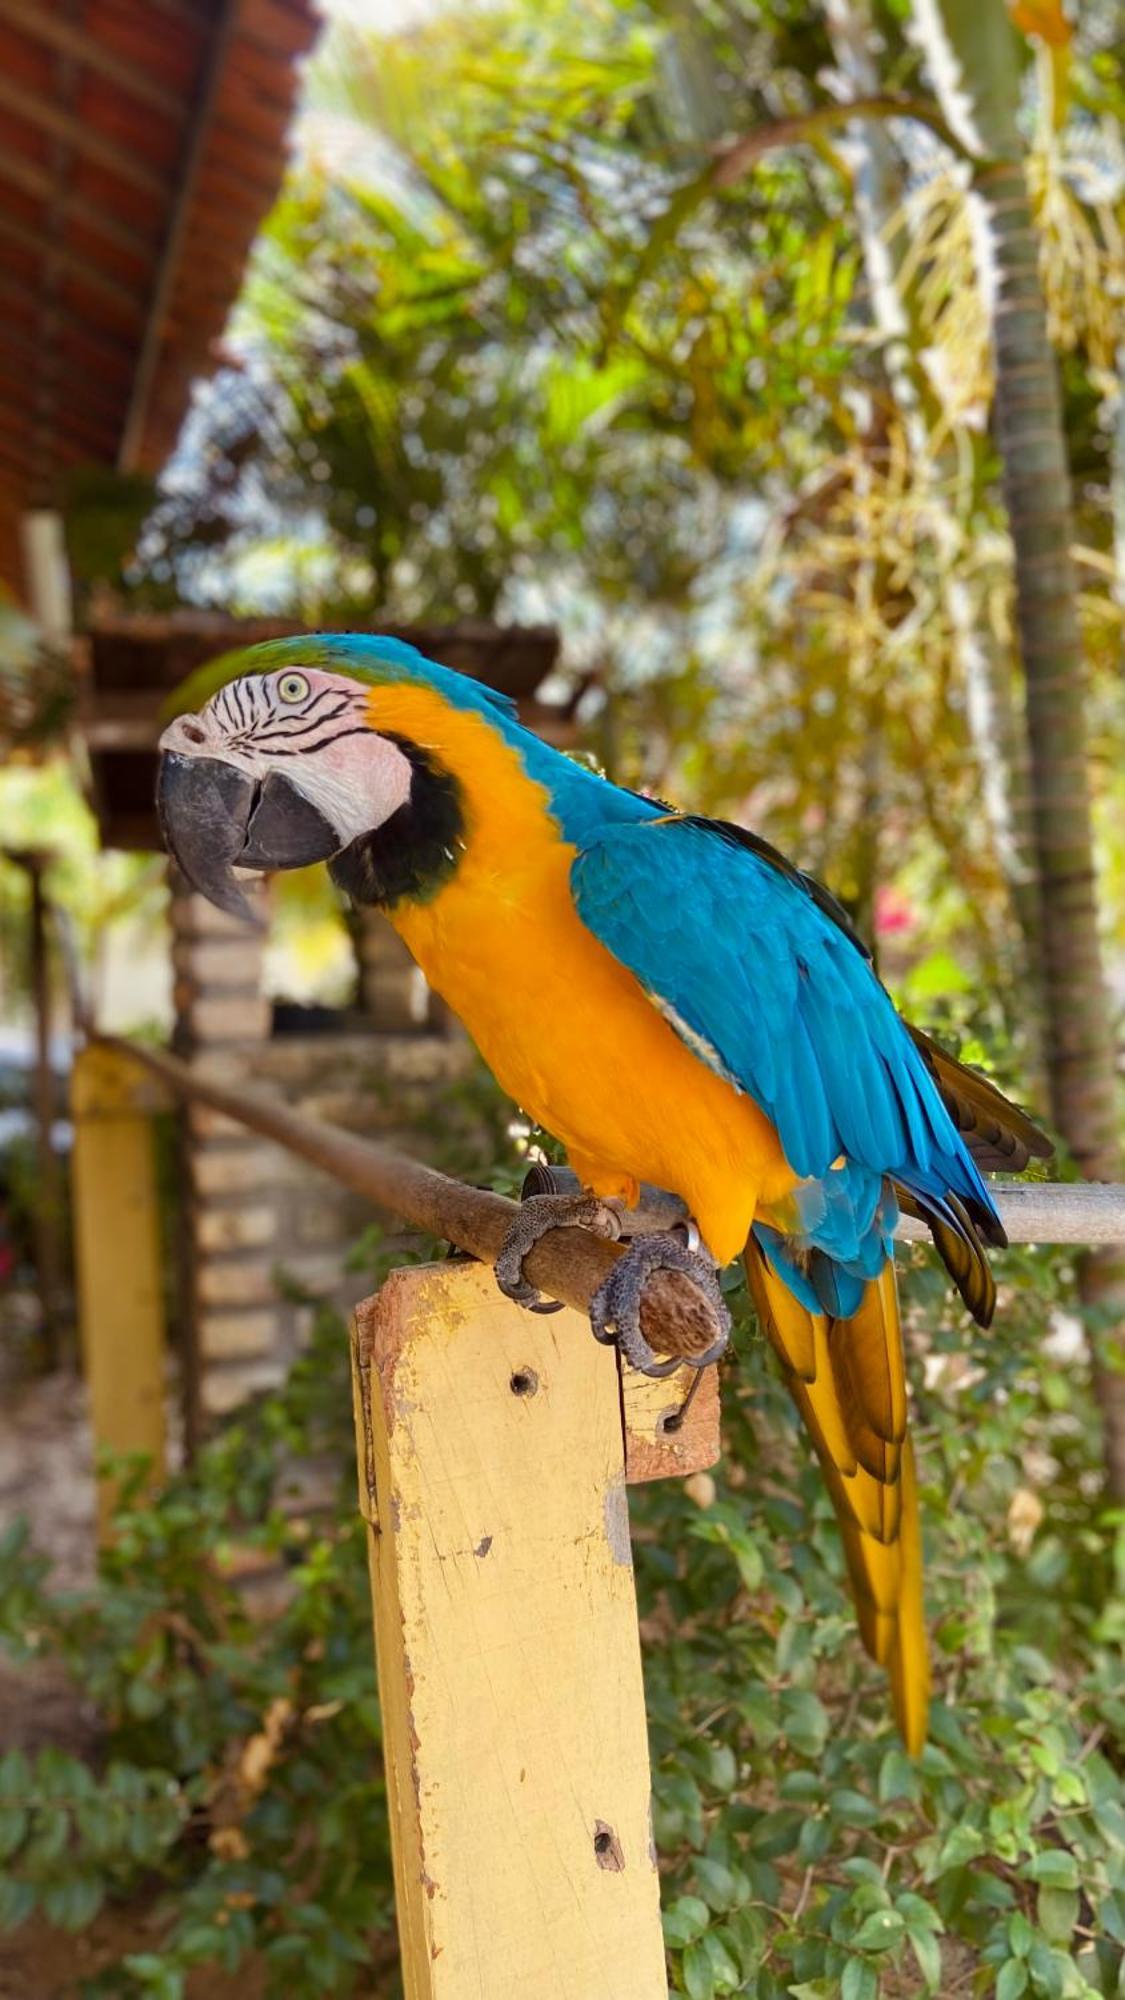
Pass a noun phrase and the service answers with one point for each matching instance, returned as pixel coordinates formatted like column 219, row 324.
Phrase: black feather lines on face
column 414, row 852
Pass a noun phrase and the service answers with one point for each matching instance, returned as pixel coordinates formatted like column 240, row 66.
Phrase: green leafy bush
column 807, row 1855
column 803, row 1853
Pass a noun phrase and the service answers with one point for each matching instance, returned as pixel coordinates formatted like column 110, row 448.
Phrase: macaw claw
column 538, row 1214
column 615, row 1309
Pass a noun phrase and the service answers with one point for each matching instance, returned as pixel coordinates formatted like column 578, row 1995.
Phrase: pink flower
column 894, row 912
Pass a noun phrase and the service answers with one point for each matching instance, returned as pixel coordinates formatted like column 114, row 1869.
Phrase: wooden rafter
column 115, row 350
column 186, row 11
column 20, row 352
column 94, row 431
column 56, row 32
column 138, row 160
column 72, row 262
column 35, row 180
column 89, row 431
column 77, row 132
column 133, row 433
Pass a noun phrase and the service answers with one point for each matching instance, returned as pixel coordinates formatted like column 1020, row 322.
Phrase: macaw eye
column 292, row 687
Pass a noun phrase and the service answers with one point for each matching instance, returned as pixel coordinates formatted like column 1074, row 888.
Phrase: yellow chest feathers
column 566, row 1029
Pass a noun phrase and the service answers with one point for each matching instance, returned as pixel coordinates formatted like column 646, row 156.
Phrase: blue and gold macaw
column 669, row 997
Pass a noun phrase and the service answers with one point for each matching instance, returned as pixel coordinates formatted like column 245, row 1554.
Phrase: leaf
column 1012, row 1980
column 158, row 1979
column 74, row 1902
column 804, row 1720
column 17, row 1900
column 878, row 1932
column 1021, row 1936
column 724, row 1971
column 938, row 975
column 698, row 1973
column 898, row 1776
column 1047, row 1969
column 927, row 1952
column 685, row 1920
column 719, row 1884
column 1054, row 1866
column 1057, row 1912
column 852, row 1808
column 960, row 1846
column 860, row 1981
column 919, row 1915
column 15, row 1776
column 722, row 1767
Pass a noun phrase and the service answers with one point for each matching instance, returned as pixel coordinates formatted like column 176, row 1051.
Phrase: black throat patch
column 414, row 852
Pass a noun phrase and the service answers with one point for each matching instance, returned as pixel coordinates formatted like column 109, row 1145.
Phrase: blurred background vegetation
column 609, row 316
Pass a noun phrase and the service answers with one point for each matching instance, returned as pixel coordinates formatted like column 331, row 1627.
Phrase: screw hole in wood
column 524, row 1382
column 607, row 1848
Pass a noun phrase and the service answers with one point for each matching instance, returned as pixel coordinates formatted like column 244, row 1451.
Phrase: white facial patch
column 358, row 782
column 312, row 728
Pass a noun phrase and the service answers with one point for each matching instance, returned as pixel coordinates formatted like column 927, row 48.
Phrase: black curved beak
column 215, row 818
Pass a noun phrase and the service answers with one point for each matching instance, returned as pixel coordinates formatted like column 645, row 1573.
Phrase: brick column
column 231, row 1213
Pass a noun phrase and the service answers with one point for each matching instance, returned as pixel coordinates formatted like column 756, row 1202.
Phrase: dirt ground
column 47, row 1471
column 37, row 1963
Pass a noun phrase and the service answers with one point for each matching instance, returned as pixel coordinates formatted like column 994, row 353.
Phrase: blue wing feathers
column 757, row 969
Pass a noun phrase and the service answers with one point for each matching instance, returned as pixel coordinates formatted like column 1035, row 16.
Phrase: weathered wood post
column 117, row 1252
column 494, row 1448
column 48, row 1215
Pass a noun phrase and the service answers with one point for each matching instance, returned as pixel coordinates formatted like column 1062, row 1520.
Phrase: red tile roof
column 144, row 142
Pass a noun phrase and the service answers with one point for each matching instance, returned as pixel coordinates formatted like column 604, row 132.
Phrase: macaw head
column 330, row 749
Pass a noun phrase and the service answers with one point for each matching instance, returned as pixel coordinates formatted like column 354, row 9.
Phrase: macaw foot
column 538, row 1214
column 615, row 1309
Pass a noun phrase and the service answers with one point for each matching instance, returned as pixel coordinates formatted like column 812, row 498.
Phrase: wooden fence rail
column 494, row 1448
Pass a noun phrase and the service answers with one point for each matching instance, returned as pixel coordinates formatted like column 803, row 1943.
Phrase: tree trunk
column 973, row 58
column 879, row 185
column 1081, row 1057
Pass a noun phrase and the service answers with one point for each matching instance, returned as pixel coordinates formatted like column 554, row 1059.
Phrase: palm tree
column 973, row 54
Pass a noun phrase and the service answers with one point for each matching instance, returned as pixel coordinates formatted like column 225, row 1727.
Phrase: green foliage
column 529, row 358
column 36, row 685
column 521, row 356
column 242, row 1765
column 807, row 1854
column 803, row 1853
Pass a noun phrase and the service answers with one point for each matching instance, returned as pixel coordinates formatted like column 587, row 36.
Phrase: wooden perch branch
column 569, row 1264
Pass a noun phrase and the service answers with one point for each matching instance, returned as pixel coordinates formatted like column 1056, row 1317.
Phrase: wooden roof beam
column 66, row 125
column 186, row 11
column 21, row 352
column 38, row 182
column 132, row 437
column 38, row 441
column 95, row 431
column 79, row 358
column 72, row 262
column 67, row 38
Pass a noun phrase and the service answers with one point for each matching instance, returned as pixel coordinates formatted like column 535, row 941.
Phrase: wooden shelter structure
column 134, row 661
column 144, row 142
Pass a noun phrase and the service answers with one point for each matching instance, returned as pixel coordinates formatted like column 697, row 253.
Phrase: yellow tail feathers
column 847, row 1378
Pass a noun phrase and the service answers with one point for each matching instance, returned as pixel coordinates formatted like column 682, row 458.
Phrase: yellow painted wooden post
column 117, row 1253
column 492, row 1456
